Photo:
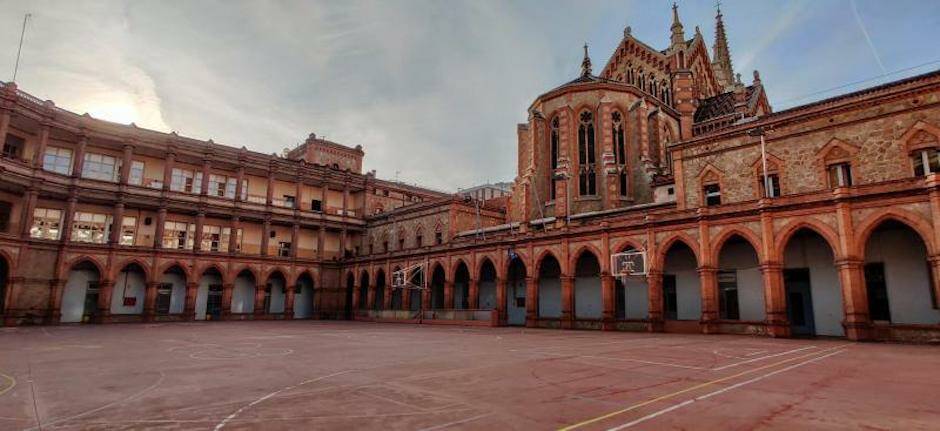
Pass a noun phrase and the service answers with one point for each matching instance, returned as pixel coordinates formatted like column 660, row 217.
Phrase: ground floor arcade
column 878, row 282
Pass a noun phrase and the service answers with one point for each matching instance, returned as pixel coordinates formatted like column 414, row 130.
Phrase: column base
column 567, row 321
column 608, row 324
column 858, row 331
column 777, row 328
column 655, row 325
column 709, row 326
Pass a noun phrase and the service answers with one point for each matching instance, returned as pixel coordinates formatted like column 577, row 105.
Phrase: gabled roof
column 724, row 104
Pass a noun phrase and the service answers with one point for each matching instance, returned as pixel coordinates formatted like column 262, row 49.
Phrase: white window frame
column 46, row 223
column 135, row 175
column 128, row 231
column 101, row 167
column 88, row 227
column 58, row 160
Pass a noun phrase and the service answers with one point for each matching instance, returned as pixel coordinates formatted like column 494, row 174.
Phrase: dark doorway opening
column 799, row 301
column 670, row 299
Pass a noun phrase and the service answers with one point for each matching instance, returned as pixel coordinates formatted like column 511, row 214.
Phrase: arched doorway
column 363, row 291
column 486, row 294
column 588, row 303
column 209, row 295
column 682, row 295
column 171, row 292
column 461, row 287
column 437, row 287
column 379, row 290
column 897, row 276
column 304, row 304
column 275, row 293
column 243, row 293
column 80, row 295
column 740, row 282
column 549, row 299
column 516, row 293
column 130, row 289
column 811, row 282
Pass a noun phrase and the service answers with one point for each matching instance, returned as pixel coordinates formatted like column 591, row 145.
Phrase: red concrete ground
column 347, row 375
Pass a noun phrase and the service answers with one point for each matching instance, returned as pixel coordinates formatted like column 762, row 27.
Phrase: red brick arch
column 541, row 258
column 83, row 258
column 148, row 273
column 456, row 264
column 828, row 234
column 663, row 249
column 201, row 271
column 730, row 232
column 187, row 272
column 253, row 272
column 914, row 221
column 479, row 265
column 586, row 248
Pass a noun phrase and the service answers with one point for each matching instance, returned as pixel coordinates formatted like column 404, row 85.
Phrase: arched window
column 419, row 237
column 553, row 161
column 620, row 150
column 587, row 179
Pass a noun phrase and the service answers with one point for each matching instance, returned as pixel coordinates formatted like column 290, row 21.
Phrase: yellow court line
column 692, row 388
column 12, row 384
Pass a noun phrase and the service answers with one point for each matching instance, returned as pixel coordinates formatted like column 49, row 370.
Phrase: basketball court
column 351, row 375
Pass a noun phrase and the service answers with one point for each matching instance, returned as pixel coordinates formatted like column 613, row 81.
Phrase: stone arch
column 504, row 265
column 826, row 232
column 455, row 265
column 276, row 269
column 730, row 232
column 481, row 261
column 625, row 244
column 380, row 285
column 99, row 266
column 588, row 248
column 132, row 261
column 588, row 294
column 305, row 272
column 915, row 222
column 182, row 266
column 201, row 271
column 664, row 247
column 243, row 268
column 920, row 136
column 461, row 282
column 436, row 281
column 541, row 258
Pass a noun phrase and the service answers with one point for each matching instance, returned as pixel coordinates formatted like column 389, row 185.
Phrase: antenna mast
column 19, row 50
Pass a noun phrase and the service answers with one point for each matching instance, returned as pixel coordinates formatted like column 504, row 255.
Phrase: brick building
column 830, row 230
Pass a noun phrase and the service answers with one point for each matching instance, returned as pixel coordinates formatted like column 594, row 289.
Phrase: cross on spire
column 586, row 63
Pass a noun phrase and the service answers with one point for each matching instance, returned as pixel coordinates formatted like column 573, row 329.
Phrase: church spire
column 721, row 63
column 678, row 33
column 586, row 63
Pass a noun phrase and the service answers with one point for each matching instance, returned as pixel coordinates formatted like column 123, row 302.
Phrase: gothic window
column 553, row 162
column 840, row 175
column 586, row 158
column 620, row 150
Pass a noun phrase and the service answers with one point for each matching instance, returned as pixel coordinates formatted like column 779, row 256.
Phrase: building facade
column 818, row 220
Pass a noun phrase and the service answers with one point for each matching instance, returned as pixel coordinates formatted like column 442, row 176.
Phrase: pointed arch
column 744, row 233
column 201, row 272
column 187, row 270
column 132, row 261
column 482, row 260
column 254, row 273
column 541, row 259
column 920, row 136
column 99, row 266
column 663, row 248
column 826, row 232
column 580, row 251
column 915, row 222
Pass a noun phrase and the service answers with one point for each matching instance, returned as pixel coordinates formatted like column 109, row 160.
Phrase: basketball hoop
column 628, row 264
column 411, row 277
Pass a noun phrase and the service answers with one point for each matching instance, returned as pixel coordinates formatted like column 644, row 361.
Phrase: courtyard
column 353, row 375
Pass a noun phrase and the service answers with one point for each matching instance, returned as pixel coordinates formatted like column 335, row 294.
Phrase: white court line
column 674, row 365
column 450, row 424
column 721, row 391
column 228, row 418
column 761, row 358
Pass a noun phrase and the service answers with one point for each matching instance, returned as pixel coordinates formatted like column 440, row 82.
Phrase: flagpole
column 19, row 50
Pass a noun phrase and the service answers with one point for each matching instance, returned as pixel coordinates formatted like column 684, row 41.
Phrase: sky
column 432, row 90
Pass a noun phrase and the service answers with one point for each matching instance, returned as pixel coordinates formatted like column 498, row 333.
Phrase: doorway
column 799, row 301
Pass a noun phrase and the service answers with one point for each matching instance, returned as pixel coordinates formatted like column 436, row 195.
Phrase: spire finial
column 678, row 33
column 586, row 63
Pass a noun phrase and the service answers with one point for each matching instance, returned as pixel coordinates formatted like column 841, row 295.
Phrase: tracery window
column 587, row 179
column 620, row 150
column 553, row 162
